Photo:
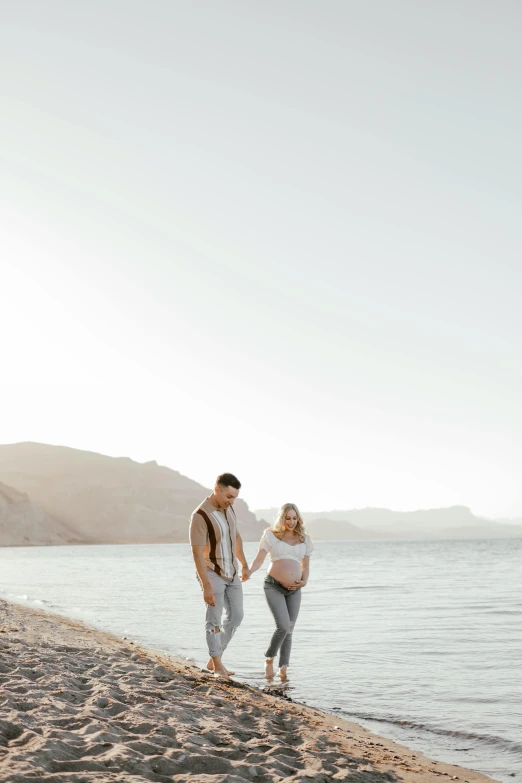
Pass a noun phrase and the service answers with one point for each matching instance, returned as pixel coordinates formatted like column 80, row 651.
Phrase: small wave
column 504, row 611
column 374, row 587
column 345, row 588
column 28, row 599
column 487, row 739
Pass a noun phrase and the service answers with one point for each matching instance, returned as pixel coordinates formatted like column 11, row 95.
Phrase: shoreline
column 79, row 705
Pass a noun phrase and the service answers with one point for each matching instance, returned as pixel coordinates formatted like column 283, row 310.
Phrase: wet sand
column 81, row 706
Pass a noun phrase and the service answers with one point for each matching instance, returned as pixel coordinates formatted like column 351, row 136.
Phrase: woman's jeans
column 284, row 605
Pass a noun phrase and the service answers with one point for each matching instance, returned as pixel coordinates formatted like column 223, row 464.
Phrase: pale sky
column 278, row 238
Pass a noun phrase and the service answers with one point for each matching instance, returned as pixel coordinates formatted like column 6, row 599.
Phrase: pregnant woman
column 289, row 548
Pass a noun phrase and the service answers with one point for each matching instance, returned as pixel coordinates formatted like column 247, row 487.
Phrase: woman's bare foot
column 282, row 673
column 212, row 668
column 269, row 668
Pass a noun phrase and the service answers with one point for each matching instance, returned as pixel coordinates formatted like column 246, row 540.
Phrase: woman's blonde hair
column 279, row 524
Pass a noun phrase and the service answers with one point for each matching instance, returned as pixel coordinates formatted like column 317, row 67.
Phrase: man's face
column 225, row 496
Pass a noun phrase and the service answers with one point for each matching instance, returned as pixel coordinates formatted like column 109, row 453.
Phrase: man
column 216, row 543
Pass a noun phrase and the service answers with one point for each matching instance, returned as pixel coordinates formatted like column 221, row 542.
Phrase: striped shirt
column 215, row 530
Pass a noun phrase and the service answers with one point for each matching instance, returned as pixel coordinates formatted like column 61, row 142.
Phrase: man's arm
column 245, row 572
column 201, row 567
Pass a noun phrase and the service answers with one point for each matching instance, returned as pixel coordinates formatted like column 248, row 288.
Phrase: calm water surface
column 419, row 641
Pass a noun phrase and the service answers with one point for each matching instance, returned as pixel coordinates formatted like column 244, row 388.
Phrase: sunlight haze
column 282, row 240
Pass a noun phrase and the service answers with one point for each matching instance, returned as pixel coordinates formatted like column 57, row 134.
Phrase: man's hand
column 297, row 585
column 208, row 595
column 245, row 573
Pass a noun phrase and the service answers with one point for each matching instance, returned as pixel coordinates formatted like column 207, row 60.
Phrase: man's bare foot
column 282, row 673
column 269, row 668
column 221, row 672
column 211, row 668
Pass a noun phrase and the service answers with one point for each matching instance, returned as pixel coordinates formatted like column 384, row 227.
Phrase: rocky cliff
column 103, row 499
column 22, row 523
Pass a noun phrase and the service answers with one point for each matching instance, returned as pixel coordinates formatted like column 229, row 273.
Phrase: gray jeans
column 229, row 596
column 284, row 605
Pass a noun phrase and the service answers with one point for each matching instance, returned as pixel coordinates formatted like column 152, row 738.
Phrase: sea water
column 420, row 641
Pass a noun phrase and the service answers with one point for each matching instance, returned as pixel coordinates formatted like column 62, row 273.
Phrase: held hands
column 245, row 573
column 298, row 585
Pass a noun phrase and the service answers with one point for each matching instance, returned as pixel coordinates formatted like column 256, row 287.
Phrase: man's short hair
column 228, row 480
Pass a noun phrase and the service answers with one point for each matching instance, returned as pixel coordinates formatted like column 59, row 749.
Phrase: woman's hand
column 297, row 585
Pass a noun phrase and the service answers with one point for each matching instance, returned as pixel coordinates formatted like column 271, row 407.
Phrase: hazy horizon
column 259, row 511
column 281, row 240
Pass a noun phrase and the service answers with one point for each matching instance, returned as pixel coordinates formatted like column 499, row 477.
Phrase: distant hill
column 100, row 499
column 509, row 521
column 23, row 523
column 455, row 522
column 55, row 494
column 324, row 529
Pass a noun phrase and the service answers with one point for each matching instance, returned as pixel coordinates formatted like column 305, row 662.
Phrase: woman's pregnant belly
column 288, row 572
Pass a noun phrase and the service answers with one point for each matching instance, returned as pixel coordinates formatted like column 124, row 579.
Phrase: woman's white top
column 280, row 550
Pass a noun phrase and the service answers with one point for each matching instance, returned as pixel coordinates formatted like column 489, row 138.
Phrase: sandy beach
column 79, row 706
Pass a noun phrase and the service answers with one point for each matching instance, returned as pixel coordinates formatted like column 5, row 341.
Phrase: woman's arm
column 258, row 562
column 306, row 568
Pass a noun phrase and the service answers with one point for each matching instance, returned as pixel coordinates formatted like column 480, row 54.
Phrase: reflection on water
column 420, row 641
